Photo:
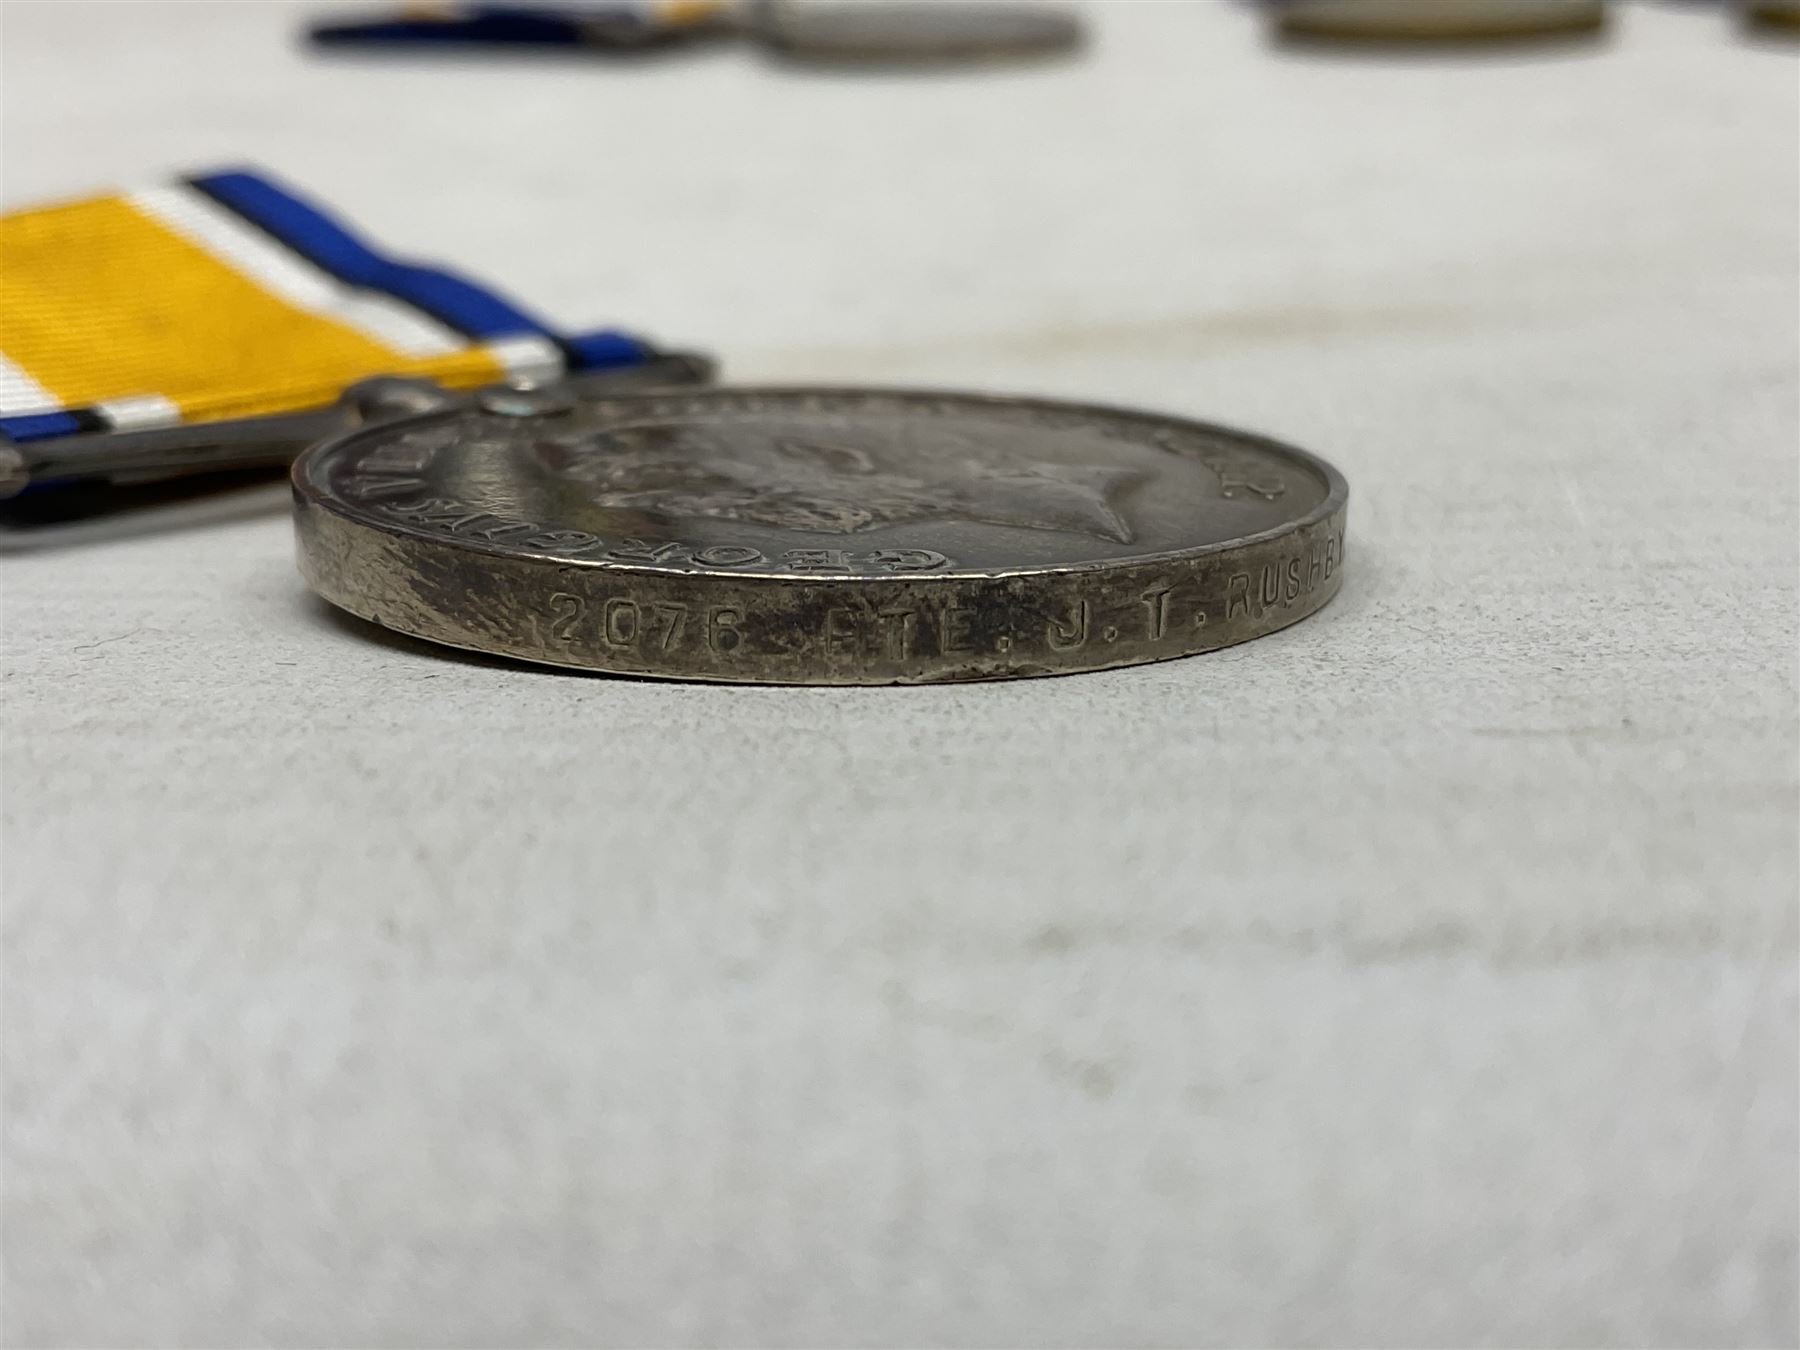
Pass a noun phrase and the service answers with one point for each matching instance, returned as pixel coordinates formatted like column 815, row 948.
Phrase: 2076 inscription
column 623, row 624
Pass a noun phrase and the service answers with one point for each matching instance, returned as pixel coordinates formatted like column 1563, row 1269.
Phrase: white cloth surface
column 1424, row 974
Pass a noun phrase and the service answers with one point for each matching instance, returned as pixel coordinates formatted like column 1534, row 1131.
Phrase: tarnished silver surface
column 1431, row 20
column 914, row 30
column 819, row 536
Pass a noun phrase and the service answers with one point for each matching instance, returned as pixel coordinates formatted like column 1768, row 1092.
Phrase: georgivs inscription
column 466, row 521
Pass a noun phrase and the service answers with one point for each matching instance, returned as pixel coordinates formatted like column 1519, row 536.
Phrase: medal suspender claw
column 222, row 323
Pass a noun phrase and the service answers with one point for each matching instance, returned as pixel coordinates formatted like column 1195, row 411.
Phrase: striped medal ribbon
column 225, row 297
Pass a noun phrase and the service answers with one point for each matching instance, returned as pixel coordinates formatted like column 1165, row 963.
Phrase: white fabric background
column 1422, row 975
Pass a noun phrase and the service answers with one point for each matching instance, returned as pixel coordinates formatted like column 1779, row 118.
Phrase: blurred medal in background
column 1435, row 20
column 900, row 32
column 1774, row 14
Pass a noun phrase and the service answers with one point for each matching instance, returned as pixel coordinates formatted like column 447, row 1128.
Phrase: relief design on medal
column 462, row 520
column 804, row 474
column 820, row 468
column 1240, row 475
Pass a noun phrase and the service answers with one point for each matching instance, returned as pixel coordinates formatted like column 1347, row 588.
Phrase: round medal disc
column 916, row 30
column 818, row 536
column 1428, row 20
